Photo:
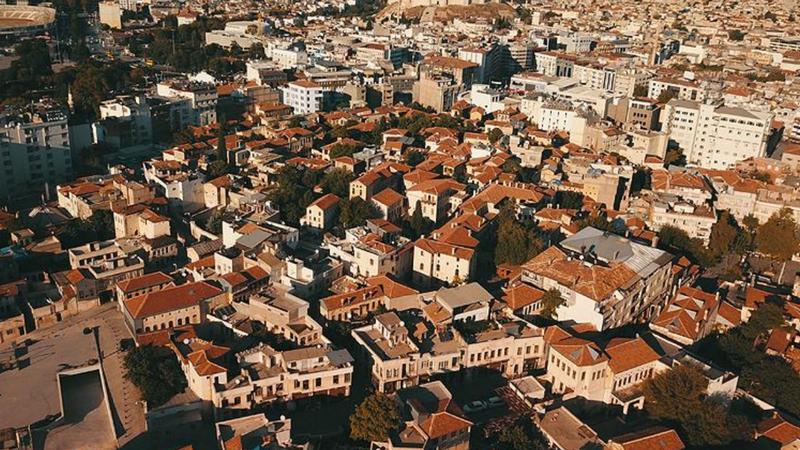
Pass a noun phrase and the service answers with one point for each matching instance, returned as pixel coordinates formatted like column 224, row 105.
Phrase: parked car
column 495, row 402
column 476, row 406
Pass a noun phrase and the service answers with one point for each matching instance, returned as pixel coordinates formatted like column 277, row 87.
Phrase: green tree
column 496, row 135
column 725, row 236
column 374, row 418
column 675, row 157
column 345, row 150
column 674, row 239
column 216, row 169
column 222, row 150
column 184, row 136
column 337, row 182
column 256, row 51
column 767, row 317
column 666, row 95
column 679, row 396
column 551, row 300
column 672, row 395
column 640, row 90
column 712, row 425
column 418, row 224
column 516, row 243
column 102, row 223
column 777, row 238
column 736, row 35
column 414, row 157
column 569, row 199
column 523, row 435
column 156, row 372
column 750, row 223
column 770, row 378
column 354, row 212
column 214, row 224
column 293, row 193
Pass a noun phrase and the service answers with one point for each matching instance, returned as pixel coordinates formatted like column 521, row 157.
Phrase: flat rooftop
column 30, row 393
column 87, row 422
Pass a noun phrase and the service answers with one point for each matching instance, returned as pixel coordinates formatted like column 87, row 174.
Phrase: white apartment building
column 34, row 151
column 523, row 54
column 131, row 111
column 553, row 115
column 555, row 64
column 684, row 89
column 203, row 97
column 305, row 97
column 626, row 80
column 596, row 76
column 783, row 44
column 717, row 137
column 289, row 59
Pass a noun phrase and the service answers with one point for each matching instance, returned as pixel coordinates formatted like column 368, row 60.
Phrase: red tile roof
column 657, row 438
column 627, row 354
column 170, row 299
column 151, row 279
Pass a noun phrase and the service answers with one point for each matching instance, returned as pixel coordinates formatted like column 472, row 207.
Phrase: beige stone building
column 187, row 304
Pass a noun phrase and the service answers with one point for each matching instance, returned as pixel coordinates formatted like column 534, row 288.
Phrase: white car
column 495, row 402
column 476, row 406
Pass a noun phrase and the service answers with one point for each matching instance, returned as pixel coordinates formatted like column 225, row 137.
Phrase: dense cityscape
column 399, row 225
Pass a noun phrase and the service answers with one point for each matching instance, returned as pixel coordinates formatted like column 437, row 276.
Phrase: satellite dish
column 186, row 341
column 283, row 417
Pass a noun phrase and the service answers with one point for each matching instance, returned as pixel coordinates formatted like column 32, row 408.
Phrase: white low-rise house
column 483, row 96
column 139, row 220
column 183, row 187
column 402, row 354
column 433, row 197
column 321, row 213
column 288, row 58
column 552, row 115
column 469, row 302
column 696, row 221
column 311, row 276
column 439, row 263
column 612, row 374
column 368, row 255
column 579, row 366
column 268, row 375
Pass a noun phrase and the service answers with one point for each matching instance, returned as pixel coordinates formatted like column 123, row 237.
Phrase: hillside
column 489, row 12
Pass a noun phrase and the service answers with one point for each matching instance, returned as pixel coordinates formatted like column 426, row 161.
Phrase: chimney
column 655, row 242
